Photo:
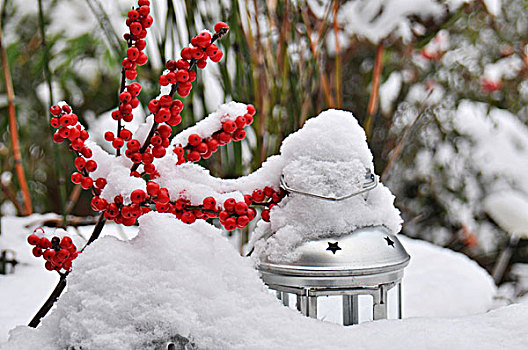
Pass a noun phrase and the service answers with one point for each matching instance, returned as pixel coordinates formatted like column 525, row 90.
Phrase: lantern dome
column 366, row 250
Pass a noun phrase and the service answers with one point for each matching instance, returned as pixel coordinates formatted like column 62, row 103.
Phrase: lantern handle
column 370, row 183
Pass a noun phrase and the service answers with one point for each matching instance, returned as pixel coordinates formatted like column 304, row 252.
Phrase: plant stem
column 374, row 92
column 56, row 153
column 13, row 129
column 59, row 288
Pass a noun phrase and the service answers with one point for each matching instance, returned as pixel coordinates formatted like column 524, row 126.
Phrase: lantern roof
column 364, row 251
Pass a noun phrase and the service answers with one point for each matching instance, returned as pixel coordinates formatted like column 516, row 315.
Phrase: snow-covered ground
column 175, row 279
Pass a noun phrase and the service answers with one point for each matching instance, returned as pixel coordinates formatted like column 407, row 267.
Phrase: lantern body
column 369, row 260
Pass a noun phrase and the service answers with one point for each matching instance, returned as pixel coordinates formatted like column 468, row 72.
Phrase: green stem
column 56, row 153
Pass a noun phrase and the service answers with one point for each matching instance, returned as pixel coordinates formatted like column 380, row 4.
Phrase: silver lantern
column 366, row 261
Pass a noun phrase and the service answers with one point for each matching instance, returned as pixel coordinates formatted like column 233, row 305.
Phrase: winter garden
column 239, row 174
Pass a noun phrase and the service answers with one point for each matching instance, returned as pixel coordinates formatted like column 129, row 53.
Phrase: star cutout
column 333, row 247
column 389, row 241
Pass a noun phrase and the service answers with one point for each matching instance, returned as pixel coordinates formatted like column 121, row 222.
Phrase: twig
column 56, row 153
column 399, row 146
column 13, row 129
column 313, row 45
column 338, row 75
column 11, row 196
column 50, row 301
column 374, row 92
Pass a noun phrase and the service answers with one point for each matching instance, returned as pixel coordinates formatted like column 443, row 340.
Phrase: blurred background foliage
column 291, row 59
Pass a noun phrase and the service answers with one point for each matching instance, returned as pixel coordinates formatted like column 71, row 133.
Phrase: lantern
column 366, row 261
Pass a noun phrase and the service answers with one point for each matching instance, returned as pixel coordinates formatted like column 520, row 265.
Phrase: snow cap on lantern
column 334, row 234
column 329, row 156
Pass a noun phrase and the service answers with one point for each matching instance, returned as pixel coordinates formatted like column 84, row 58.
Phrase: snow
column 509, row 209
column 493, row 6
column 389, row 91
column 198, row 287
column 376, row 20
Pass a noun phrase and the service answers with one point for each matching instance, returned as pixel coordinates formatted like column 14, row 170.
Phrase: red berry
column 144, row 3
column 154, row 106
column 202, row 148
column 54, row 122
column 125, row 97
column 268, row 191
column 193, row 156
column 165, row 131
column 251, row 110
column 118, row 143
column 163, row 80
column 241, row 208
column 143, row 11
column 248, row 199
column 159, row 151
column 240, row 134
column 170, row 65
column 133, row 15
column 188, row 217
column 137, row 196
column 258, row 195
column 142, row 59
column 229, row 126
column 212, row 50
column 132, row 53
column 194, row 139
column 76, row 178
column 182, row 64
column 65, row 242
column 209, row 203
column 135, row 29
column 182, row 75
column 91, row 166
column 152, row 188
column 217, row 57
column 242, row 221
column 265, row 215
column 55, row 110
column 125, row 134
column 33, row 239
column 221, row 26
column 80, row 163
column 63, row 254
column 230, row 224
column 147, row 21
column 147, row 158
column 66, row 108
column 86, row 182
column 240, row 122
column 130, row 74
column 186, row 53
column 196, row 53
column 109, row 136
column 100, row 183
column 165, row 101
column 44, row 243
column 229, row 204
column 133, row 145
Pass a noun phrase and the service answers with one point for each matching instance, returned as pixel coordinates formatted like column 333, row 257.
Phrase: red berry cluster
column 58, row 253
column 138, row 21
column 198, row 147
column 69, row 128
column 180, row 72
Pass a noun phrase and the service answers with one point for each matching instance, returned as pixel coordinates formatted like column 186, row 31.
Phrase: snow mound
column 442, row 283
column 176, row 280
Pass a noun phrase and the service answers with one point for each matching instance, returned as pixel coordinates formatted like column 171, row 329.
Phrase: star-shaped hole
column 333, row 247
column 389, row 241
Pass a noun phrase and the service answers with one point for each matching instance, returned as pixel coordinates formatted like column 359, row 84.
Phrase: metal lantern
column 367, row 261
